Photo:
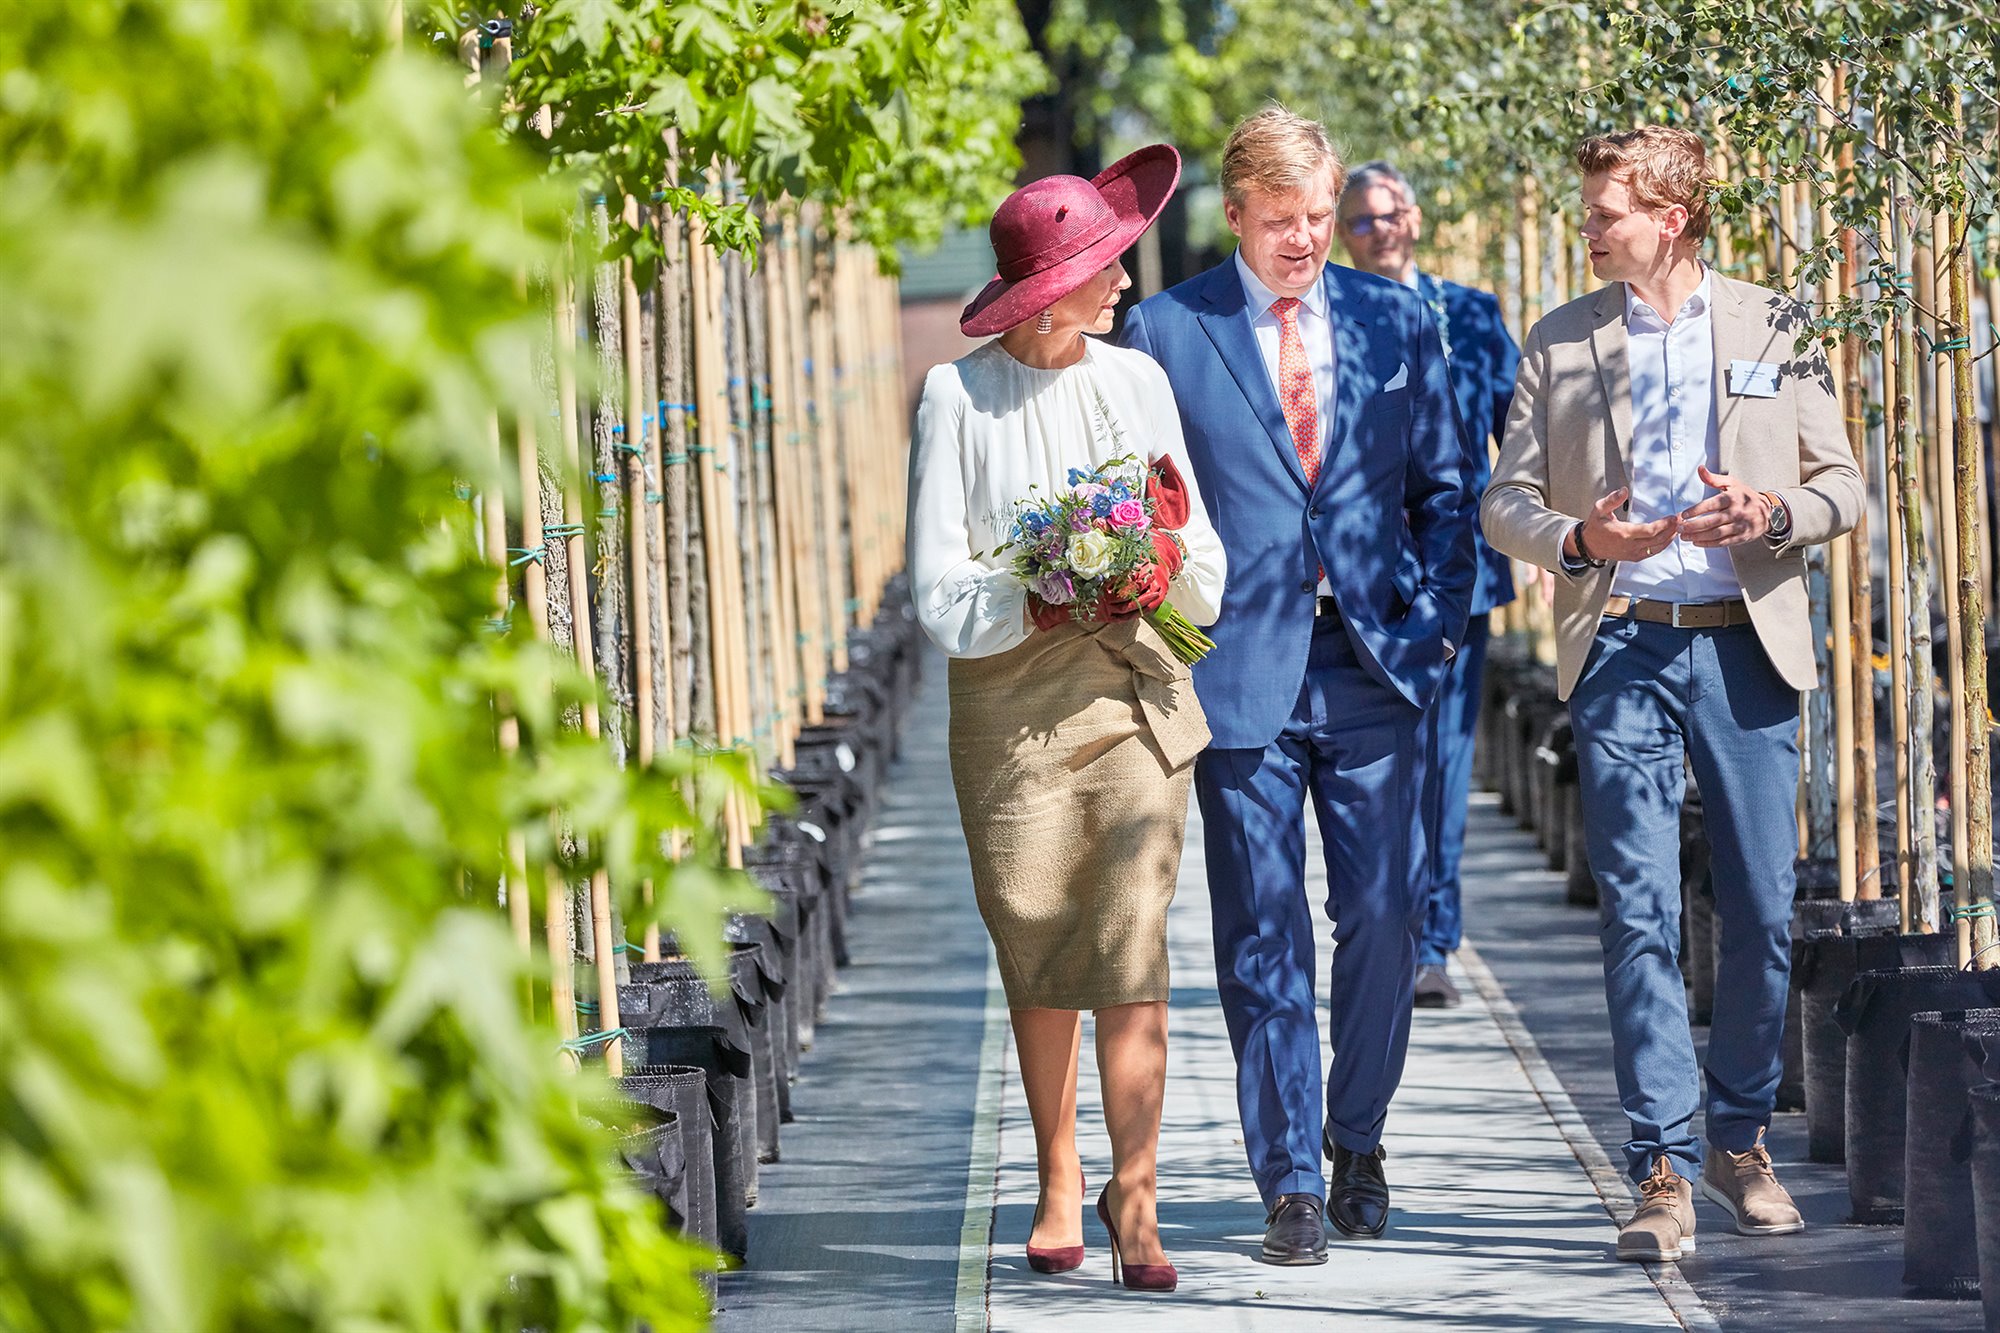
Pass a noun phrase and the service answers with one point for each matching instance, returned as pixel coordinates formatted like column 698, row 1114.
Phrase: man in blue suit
column 1380, row 224
column 1320, row 423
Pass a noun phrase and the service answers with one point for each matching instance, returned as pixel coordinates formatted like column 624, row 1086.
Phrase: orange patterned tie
column 1295, row 387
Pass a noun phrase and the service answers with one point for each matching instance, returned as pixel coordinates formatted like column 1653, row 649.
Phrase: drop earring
column 1045, row 323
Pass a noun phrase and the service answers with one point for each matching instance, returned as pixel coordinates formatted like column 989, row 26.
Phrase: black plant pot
column 656, row 1159
column 680, row 1021
column 1806, row 918
column 1950, row 1053
column 1875, row 1014
column 682, row 1092
column 1824, row 964
column 1555, row 755
column 786, row 937
column 1579, row 885
column 793, row 853
column 1514, row 747
column 1985, row 1101
column 748, row 974
column 1698, row 946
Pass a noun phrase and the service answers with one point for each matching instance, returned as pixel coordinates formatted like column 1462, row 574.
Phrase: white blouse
column 988, row 428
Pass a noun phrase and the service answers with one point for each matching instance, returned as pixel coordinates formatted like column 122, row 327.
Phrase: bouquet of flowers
column 1104, row 548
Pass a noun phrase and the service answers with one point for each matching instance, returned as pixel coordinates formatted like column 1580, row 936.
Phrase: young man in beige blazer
column 1671, row 455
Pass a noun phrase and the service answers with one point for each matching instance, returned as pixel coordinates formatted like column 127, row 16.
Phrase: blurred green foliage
column 264, row 1061
column 899, row 113
column 1471, row 97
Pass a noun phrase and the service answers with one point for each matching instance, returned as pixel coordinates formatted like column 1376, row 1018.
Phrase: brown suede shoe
column 1744, row 1184
column 1663, row 1228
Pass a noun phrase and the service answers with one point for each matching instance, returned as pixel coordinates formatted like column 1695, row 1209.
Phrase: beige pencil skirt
column 1072, row 755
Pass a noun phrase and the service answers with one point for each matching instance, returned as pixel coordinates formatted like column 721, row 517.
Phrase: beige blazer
column 1569, row 442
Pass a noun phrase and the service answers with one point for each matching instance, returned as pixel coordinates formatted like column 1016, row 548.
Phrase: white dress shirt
column 1672, row 372
column 992, row 432
column 1315, row 331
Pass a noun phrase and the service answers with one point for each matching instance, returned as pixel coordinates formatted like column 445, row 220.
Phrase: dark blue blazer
column 1390, row 519
column 1483, row 360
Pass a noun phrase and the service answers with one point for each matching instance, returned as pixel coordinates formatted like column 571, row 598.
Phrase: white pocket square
column 1399, row 380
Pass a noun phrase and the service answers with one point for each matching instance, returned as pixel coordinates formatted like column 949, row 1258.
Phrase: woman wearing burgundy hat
column 1072, row 736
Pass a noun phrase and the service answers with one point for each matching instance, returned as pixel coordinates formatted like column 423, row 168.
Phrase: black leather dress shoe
column 1295, row 1232
column 1357, row 1193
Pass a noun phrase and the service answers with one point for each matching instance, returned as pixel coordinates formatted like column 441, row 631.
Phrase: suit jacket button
column 1312, row 513
column 1305, row 585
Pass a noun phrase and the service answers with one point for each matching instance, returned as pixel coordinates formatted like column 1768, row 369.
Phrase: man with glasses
column 1380, row 224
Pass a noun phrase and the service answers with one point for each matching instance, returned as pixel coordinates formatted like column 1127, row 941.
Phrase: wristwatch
column 1780, row 530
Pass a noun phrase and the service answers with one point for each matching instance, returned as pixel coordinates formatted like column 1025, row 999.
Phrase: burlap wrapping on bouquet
column 1071, row 755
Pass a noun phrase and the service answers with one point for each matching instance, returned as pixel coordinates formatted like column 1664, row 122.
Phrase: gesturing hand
column 1733, row 515
column 1609, row 537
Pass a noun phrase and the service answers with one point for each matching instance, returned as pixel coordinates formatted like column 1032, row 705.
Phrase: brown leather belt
column 1681, row 615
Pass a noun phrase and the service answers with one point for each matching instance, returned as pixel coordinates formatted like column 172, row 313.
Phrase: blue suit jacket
column 1483, row 360
column 1390, row 518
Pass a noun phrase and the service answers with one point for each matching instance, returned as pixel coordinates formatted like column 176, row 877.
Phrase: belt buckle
column 1675, row 621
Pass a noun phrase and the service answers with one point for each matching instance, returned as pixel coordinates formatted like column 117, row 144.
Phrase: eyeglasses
column 1366, row 224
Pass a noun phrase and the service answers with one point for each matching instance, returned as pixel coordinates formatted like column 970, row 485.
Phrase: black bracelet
column 1583, row 552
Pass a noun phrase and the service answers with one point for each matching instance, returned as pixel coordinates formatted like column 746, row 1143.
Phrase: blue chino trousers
column 1654, row 702
column 1354, row 748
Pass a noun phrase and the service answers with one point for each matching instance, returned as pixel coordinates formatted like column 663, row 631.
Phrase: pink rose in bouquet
column 1129, row 514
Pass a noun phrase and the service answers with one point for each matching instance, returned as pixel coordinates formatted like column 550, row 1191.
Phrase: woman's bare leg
column 1132, row 1066
column 1047, row 1041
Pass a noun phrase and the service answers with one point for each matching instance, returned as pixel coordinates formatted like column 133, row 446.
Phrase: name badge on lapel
column 1753, row 379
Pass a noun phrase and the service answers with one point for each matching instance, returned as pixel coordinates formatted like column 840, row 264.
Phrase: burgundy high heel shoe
column 1135, row 1277
column 1055, row 1258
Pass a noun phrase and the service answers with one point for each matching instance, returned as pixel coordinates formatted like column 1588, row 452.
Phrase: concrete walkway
column 907, row 1183
column 1497, row 1224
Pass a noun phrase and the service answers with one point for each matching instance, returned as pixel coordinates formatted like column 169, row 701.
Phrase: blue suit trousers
column 1454, row 722
column 1355, row 749
column 1654, row 702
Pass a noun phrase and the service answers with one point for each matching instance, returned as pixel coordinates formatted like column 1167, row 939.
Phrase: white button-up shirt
column 1315, row 331
column 1672, row 371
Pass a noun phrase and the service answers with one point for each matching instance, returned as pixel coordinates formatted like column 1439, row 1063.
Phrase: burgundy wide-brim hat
column 1051, row 235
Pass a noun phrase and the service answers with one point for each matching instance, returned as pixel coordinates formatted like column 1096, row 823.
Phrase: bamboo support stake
column 786, row 481
column 832, row 426
column 765, row 565
column 493, row 521
column 1920, row 886
column 1860, row 605
column 637, row 490
column 710, row 397
column 1897, row 621
column 1974, row 792
column 1843, row 682
column 1950, row 447
column 742, row 491
column 798, row 476
column 1782, row 236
